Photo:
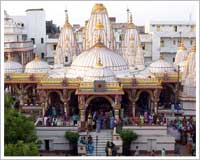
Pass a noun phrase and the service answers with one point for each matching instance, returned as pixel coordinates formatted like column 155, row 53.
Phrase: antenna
column 128, row 11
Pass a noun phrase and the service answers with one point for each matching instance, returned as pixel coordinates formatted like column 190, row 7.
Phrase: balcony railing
column 17, row 45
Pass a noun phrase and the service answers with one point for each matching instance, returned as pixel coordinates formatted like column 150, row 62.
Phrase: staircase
column 103, row 137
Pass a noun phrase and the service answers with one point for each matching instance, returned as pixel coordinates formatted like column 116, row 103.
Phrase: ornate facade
column 99, row 72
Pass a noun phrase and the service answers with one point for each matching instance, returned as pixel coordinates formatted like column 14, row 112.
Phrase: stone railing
column 15, row 45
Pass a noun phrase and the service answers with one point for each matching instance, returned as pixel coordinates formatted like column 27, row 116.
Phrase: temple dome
column 87, row 60
column 161, row 66
column 11, row 66
column 37, row 66
column 99, row 72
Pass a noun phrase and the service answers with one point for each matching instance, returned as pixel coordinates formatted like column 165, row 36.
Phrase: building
column 103, row 81
column 16, row 42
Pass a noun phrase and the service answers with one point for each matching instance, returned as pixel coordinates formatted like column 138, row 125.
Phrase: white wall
column 36, row 28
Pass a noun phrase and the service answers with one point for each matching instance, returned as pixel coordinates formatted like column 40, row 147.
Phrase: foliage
column 18, row 127
column 128, row 136
column 72, row 137
column 21, row 149
column 8, row 100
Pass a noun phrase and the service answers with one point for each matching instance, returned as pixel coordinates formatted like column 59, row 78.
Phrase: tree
column 20, row 134
column 127, row 136
column 18, row 127
column 72, row 137
column 8, row 100
column 21, row 149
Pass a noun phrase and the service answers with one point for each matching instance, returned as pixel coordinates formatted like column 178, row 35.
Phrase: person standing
column 90, row 145
column 163, row 152
column 152, row 153
column 108, row 149
column 98, row 125
column 137, row 152
column 189, row 144
column 90, row 121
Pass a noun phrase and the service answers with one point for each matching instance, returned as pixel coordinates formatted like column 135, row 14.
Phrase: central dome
column 87, row 60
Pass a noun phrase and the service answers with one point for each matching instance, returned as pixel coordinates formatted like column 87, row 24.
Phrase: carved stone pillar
column 117, row 106
column 81, row 100
column 133, row 108
column 156, row 94
column 133, row 99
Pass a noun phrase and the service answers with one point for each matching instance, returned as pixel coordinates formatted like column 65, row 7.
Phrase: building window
column 17, row 38
column 173, row 59
column 42, row 55
column 66, row 59
column 54, row 47
column 175, row 28
column 22, row 24
column 191, row 42
column 24, row 37
column 42, row 40
column 162, row 43
column 174, row 42
column 158, row 28
column 120, row 37
column 192, row 28
column 33, row 40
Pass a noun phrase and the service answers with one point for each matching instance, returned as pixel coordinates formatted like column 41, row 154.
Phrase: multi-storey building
column 16, row 42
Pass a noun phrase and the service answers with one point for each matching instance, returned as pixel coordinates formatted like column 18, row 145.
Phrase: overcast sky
column 79, row 11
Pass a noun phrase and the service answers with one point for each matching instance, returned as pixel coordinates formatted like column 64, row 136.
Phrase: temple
column 98, row 79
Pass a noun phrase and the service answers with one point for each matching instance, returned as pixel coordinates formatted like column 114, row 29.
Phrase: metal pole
column 96, row 144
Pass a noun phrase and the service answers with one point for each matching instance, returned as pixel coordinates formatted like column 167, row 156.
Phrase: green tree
column 127, row 136
column 8, row 101
column 21, row 149
column 73, row 139
column 18, row 127
column 20, row 134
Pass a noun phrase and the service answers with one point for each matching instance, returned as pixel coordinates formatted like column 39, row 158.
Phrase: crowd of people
column 187, row 130
column 88, row 143
column 101, row 120
column 146, row 119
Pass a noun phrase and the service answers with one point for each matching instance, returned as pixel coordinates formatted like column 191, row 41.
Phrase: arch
column 93, row 97
column 143, row 102
column 171, row 87
column 58, row 92
column 148, row 91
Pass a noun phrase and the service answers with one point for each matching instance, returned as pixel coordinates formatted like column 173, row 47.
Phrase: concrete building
column 16, row 42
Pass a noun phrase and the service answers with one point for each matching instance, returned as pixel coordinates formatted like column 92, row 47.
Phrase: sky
column 79, row 11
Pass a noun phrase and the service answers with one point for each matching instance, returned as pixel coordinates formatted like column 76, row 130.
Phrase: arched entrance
column 143, row 104
column 167, row 97
column 100, row 108
column 73, row 104
column 55, row 105
column 126, row 105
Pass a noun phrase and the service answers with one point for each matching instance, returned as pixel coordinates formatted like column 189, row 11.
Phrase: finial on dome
column 130, row 25
column 98, row 7
column 99, row 25
column 37, row 58
column 131, row 18
column 66, row 15
column 67, row 24
column 99, row 62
